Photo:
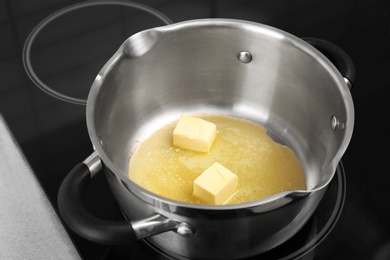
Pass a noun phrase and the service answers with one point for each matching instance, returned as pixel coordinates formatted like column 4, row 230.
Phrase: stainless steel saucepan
column 233, row 67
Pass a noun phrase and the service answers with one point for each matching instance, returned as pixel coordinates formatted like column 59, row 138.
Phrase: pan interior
column 161, row 73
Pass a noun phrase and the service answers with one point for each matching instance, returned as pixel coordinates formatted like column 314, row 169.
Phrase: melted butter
column 263, row 166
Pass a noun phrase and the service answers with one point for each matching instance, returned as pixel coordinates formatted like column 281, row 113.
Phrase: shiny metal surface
column 93, row 163
column 348, row 82
column 244, row 57
column 153, row 225
column 192, row 67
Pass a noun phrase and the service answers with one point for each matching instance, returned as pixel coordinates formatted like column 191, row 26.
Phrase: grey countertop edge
column 29, row 225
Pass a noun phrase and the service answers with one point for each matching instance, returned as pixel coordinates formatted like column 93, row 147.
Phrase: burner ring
column 33, row 34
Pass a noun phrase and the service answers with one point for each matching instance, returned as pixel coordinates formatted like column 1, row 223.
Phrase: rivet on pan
column 334, row 122
column 185, row 230
column 244, row 57
column 100, row 140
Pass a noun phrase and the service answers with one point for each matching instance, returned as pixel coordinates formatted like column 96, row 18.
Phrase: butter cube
column 194, row 133
column 215, row 185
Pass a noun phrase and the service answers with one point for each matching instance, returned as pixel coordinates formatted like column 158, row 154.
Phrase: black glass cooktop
column 51, row 51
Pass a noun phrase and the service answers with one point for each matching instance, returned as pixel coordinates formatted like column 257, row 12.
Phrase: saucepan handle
column 337, row 56
column 81, row 221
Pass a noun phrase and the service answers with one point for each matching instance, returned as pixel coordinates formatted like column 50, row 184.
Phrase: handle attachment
column 81, row 221
column 337, row 56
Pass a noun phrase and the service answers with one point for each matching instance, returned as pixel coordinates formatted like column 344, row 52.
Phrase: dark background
column 69, row 52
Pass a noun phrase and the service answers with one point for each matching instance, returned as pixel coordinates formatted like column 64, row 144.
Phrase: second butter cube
column 215, row 185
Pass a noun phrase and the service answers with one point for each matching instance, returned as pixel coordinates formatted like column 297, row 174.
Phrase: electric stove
column 51, row 51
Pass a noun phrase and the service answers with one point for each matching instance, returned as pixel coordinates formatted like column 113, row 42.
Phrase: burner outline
column 33, row 34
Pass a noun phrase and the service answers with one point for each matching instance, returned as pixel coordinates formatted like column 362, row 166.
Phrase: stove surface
column 68, row 51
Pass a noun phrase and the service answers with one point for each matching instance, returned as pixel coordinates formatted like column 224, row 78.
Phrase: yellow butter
column 215, row 185
column 194, row 133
